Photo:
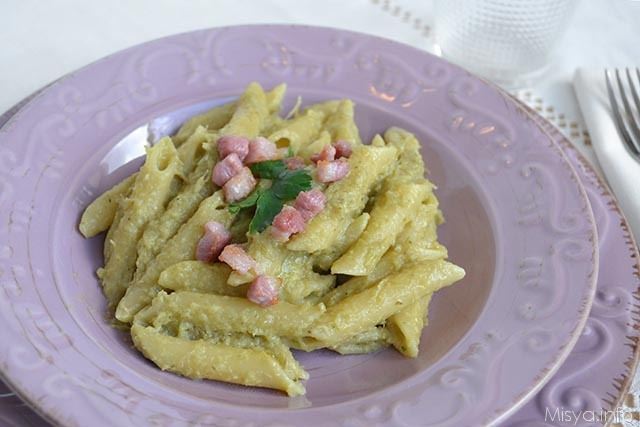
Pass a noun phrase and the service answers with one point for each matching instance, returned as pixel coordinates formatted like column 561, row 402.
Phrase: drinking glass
column 507, row 41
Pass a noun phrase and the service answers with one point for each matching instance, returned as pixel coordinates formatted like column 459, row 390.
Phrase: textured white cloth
column 620, row 168
column 41, row 41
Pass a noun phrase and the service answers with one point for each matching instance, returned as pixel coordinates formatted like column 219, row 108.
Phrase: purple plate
column 607, row 346
column 591, row 385
column 518, row 221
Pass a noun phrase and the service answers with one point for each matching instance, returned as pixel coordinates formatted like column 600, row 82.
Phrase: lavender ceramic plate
column 607, row 347
column 515, row 210
column 592, row 383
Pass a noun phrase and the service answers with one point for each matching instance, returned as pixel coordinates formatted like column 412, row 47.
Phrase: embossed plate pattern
column 597, row 374
column 519, row 222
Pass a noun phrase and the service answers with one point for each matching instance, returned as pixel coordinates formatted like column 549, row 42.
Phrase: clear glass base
column 506, row 79
column 508, row 42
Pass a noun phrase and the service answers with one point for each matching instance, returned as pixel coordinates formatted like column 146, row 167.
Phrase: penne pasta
column 299, row 131
column 250, row 114
column 409, row 167
column 326, row 258
column 212, row 120
column 385, row 224
column 250, row 233
column 372, row 306
column 247, row 119
column 99, row 215
column 180, row 247
column 346, row 199
column 417, row 242
column 193, row 148
column 316, row 146
column 197, row 276
column 151, row 190
column 274, row 98
column 341, row 124
column 211, row 312
column 405, row 327
column 178, row 211
column 373, row 339
column 203, row 359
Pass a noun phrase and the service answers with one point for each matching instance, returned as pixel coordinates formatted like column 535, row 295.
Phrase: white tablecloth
column 43, row 40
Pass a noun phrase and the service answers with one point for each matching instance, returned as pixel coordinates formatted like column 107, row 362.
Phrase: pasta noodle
column 346, row 198
column 248, row 234
column 205, row 359
column 179, row 248
column 390, row 295
column 197, row 276
column 149, row 194
column 384, row 225
column 99, row 215
column 232, row 314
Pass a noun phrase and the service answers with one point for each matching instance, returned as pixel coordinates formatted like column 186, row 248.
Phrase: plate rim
column 631, row 242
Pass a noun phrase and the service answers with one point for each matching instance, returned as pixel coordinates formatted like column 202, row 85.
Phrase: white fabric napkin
column 620, row 168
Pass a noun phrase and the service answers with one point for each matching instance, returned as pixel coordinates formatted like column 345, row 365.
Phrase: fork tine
column 634, row 91
column 631, row 121
column 618, row 117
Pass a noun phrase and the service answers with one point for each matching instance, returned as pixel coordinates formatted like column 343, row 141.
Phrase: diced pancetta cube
column 233, row 144
column 226, row 169
column 289, row 221
column 215, row 238
column 328, row 153
column 310, row 203
column 261, row 149
column 294, row 163
column 343, row 149
column 332, row 171
column 264, row 291
column 236, row 257
column 239, row 186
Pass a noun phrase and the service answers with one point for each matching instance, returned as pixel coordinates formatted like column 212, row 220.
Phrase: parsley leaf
column 247, row 202
column 267, row 208
column 269, row 199
column 290, row 183
column 270, row 169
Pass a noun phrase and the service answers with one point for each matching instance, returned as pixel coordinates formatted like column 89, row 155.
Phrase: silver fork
column 627, row 120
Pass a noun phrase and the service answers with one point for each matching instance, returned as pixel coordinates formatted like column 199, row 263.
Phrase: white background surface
column 42, row 40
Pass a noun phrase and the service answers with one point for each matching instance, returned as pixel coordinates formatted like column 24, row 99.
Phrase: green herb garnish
column 290, row 183
column 270, row 169
column 269, row 199
column 267, row 207
column 247, row 202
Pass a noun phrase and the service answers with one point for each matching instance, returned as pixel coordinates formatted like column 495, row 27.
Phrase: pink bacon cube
column 332, row 171
column 261, row 149
column 310, row 203
column 264, row 291
column 238, row 259
column 226, row 169
column 239, row 186
column 215, row 238
column 289, row 221
column 233, row 144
